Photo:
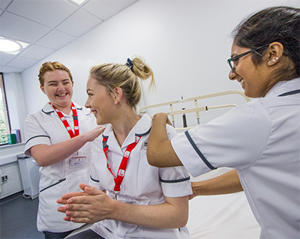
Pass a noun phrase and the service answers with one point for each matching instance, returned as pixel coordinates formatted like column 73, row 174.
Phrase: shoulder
column 38, row 115
column 237, row 126
column 253, row 113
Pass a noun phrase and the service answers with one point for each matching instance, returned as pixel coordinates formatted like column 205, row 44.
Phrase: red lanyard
column 65, row 122
column 122, row 168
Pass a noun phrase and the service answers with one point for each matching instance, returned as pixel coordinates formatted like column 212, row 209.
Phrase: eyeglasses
column 232, row 61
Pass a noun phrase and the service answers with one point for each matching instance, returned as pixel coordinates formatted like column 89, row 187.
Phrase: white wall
column 186, row 42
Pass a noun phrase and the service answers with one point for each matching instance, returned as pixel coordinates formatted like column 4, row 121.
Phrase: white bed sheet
column 221, row 217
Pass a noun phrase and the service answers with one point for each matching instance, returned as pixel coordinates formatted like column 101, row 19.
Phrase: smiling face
column 59, row 88
column 253, row 78
column 100, row 101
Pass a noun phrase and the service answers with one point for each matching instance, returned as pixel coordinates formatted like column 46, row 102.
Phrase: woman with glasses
column 261, row 139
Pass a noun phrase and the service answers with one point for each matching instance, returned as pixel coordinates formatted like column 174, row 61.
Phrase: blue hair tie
column 129, row 63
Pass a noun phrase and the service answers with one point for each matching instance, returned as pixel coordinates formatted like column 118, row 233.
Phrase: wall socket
column 4, row 178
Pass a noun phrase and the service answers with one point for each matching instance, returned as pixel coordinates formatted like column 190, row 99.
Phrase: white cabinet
column 30, row 175
column 10, row 179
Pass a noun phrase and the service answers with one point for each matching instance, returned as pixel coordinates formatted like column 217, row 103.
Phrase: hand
column 64, row 198
column 162, row 117
column 194, row 188
column 91, row 205
column 94, row 133
column 192, row 196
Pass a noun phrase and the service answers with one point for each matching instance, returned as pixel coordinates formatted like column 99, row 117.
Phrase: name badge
column 77, row 160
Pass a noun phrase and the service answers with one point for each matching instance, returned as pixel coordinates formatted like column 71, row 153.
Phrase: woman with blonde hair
column 130, row 198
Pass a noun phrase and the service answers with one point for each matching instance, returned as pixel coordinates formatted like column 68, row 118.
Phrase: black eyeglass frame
column 237, row 57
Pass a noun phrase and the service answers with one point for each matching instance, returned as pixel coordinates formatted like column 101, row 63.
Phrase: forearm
column 157, row 216
column 223, row 184
column 49, row 154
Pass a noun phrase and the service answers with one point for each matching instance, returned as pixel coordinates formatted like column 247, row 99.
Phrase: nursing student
column 56, row 138
column 261, row 139
column 130, row 198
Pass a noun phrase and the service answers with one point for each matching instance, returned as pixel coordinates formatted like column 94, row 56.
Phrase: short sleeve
column 236, row 140
column 34, row 133
column 175, row 181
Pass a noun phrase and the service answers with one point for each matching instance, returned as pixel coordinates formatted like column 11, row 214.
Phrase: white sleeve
column 236, row 140
column 175, row 181
column 34, row 134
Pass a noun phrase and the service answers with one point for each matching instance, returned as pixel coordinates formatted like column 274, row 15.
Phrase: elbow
column 38, row 154
column 181, row 224
column 39, row 159
column 152, row 158
column 183, row 219
column 40, row 162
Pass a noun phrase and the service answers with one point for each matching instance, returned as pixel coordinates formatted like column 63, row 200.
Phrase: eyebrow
column 53, row 81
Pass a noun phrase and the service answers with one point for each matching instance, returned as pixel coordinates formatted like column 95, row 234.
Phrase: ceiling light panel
column 78, row 2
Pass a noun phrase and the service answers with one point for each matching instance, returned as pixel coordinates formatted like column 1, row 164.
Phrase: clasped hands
column 89, row 206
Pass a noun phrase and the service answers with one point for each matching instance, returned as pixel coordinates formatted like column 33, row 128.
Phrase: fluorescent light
column 11, row 46
column 78, row 2
column 23, row 44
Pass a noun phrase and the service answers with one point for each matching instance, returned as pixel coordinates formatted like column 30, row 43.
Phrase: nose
column 232, row 75
column 60, row 86
column 87, row 104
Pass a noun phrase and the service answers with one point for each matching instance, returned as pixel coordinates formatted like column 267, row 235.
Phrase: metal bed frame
column 196, row 109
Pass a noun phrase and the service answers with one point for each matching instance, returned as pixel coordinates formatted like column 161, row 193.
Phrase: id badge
column 77, row 160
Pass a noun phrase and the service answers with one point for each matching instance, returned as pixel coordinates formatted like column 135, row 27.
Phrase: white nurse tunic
column 45, row 127
column 262, row 141
column 143, row 184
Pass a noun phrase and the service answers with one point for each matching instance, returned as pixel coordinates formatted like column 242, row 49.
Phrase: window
column 4, row 117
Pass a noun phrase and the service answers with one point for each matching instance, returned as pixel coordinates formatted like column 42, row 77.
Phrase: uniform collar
column 48, row 109
column 283, row 87
column 141, row 128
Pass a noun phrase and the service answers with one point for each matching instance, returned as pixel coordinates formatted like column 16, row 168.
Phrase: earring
column 273, row 61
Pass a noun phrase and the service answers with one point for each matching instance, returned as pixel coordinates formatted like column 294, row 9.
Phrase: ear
column 42, row 88
column 274, row 53
column 117, row 94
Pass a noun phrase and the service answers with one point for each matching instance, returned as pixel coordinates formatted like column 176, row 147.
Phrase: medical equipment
column 191, row 105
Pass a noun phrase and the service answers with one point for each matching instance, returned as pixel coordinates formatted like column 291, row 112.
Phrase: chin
column 252, row 94
column 100, row 121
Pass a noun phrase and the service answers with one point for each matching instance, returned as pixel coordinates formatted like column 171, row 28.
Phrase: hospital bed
column 211, row 217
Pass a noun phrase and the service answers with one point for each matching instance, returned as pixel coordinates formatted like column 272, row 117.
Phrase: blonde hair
column 124, row 76
column 52, row 66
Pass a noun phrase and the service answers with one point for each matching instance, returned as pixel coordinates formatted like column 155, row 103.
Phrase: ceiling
column 48, row 25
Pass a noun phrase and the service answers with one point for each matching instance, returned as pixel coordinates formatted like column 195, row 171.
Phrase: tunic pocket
column 52, row 185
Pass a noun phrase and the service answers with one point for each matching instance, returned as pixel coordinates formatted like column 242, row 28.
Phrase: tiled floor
column 18, row 218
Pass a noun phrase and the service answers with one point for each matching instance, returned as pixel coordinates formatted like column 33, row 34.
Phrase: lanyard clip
column 116, row 193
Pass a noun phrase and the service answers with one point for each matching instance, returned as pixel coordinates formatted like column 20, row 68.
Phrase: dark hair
column 52, row 66
column 274, row 24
